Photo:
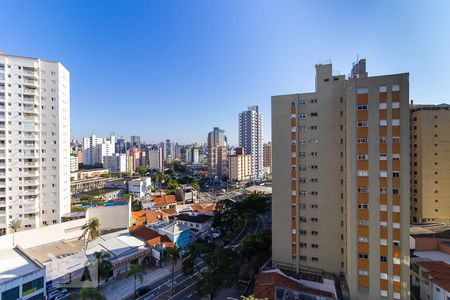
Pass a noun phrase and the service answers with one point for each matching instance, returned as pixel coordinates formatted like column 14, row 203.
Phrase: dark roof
column 194, row 218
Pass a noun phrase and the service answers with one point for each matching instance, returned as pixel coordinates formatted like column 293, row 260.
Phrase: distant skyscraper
column 121, row 145
column 267, row 158
column 168, row 151
column 35, row 142
column 217, row 136
column 251, row 138
column 155, row 158
column 135, row 141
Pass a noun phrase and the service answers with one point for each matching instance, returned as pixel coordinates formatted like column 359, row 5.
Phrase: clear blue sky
column 175, row 69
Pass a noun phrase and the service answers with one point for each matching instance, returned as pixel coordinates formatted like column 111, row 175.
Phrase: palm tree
column 15, row 225
column 92, row 229
column 136, row 271
column 172, row 254
column 104, row 265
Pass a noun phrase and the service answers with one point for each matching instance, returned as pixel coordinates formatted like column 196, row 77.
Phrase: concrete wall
column 111, row 217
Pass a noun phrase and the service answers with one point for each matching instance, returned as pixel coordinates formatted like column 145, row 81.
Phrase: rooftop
column 268, row 281
column 194, row 218
column 149, row 236
column 167, row 199
column 433, row 255
column 174, row 228
column 15, row 264
column 439, row 273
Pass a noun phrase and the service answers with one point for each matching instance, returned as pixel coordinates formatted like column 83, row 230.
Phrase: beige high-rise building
column 240, row 166
column 267, row 158
column 217, row 153
column 430, row 163
column 341, row 181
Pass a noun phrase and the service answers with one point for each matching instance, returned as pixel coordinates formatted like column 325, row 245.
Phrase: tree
column 172, row 254
column 135, row 271
column 88, row 292
column 251, row 297
column 256, row 243
column 195, row 185
column 141, row 170
column 223, row 271
column 15, row 225
column 136, row 205
column 92, row 229
column 104, row 265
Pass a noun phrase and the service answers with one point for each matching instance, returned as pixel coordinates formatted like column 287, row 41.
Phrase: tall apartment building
column 251, row 138
column 34, row 141
column 155, row 158
column 73, row 163
column 430, row 163
column 95, row 149
column 240, row 165
column 217, row 153
column 341, row 175
column 267, row 158
column 168, row 151
column 116, row 162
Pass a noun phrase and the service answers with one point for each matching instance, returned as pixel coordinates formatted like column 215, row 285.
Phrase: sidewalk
column 122, row 287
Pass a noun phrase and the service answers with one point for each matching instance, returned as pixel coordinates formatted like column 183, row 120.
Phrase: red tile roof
column 266, row 282
column 439, row 273
column 167, row 199
column 208, row 207
column 150, row 236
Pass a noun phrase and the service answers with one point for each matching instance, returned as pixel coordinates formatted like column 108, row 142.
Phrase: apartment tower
column 251, row 138
column 430, row 163
column 217, row 153
column 239, row 165
column 341, row 176
column 34, row 142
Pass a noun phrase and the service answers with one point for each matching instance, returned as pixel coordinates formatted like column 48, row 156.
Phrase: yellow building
column 340, row 181
column 240, row 166
column 430, row 163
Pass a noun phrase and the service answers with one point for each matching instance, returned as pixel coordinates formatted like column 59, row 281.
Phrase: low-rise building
column 186, row 194
column 89, row 173
column 199, row 222
column 164, row 202
column 140, row 187
column 104, row 194
column 433, row 279
column 21, row 277
column 179, row 234
column 240, row 166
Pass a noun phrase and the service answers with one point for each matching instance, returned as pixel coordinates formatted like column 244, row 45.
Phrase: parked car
column 142, row 291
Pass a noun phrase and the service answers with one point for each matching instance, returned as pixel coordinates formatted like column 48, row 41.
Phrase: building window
column 382, row 89
column 363, row 255
column 382, row 105
column 362, row 156
column 383, row 123
column 363, row 173
column 362, row 123
column 396, row 88
column 362, row 91
column 362, row 107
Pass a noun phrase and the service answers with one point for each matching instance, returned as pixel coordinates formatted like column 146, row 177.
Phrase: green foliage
column 196, row 185
column 135, row 271
column 196, row 249
column 88, row 292
column 251, row 297
column 136, row 205
column 92, row 227
column 171, row 254
column 256, row 243
column 104, row 265
column 141, row 170
column 222, row 271
column 15, row 225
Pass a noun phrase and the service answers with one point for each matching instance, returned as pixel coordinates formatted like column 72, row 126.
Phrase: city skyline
column 229, row 60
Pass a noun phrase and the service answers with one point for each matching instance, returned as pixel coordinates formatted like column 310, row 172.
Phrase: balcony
column 30, row 173
column 30, row 83
column 30, row 127
column 30, row 192
column 30, row 110
column 30, row 72
column 31, row 182
column 30, row 99
column 28, row 91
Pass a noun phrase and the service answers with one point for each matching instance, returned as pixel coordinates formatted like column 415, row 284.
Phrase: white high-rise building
column 251, row 138
column 34, row 141
column 95, row 149
column 116, row 162
column 155, row 158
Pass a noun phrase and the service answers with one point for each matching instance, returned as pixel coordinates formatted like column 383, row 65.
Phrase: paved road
column 189, row 292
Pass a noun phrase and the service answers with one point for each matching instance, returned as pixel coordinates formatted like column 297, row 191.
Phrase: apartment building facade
column 240, row 166
column 34, row 140
column 217, row 153
column 116, row 162
column 95, row 149
column 430, row 163
column 251, row 138
column 267, row 158
column 341, row 176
